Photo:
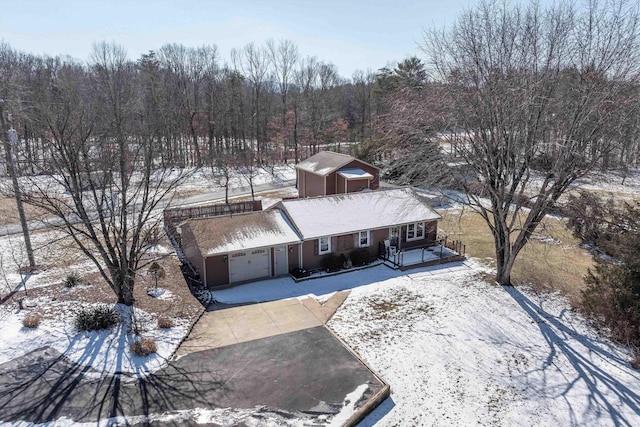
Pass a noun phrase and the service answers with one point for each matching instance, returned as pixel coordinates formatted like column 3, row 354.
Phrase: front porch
column 442, row 251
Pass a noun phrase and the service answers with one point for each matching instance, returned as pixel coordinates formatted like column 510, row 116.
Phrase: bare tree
column 254, row 62
column 107, row 188
column 284, row 57
column 189, row 70
column 535, row 96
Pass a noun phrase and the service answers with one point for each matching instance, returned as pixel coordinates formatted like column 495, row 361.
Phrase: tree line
column 265, row 103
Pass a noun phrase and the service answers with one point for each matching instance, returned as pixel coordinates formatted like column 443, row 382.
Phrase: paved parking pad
column 226, row 326
column 307, row 372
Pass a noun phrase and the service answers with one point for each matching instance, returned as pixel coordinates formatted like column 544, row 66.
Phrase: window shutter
column 316, row 246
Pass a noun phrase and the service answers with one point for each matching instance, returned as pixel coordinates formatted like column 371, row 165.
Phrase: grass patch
column 9, row 211
column 552, row 260
column 404, row 304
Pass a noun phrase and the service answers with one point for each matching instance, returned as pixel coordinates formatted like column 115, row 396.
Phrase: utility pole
column 11, row 137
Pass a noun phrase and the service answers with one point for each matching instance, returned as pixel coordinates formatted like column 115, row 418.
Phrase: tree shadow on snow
column 285, row 287
column 378, row 414
column 606, row 393
column 45, row 385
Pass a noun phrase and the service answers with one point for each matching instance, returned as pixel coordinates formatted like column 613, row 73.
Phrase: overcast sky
column 353, row 34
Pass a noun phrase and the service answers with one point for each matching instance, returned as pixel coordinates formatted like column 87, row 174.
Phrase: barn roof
column 325, row 162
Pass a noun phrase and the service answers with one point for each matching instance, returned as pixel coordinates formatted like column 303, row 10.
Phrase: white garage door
column 248, row 265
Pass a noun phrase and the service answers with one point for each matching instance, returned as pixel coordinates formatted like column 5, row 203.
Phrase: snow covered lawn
column 205, row 179
column 459, row 351
column 106, row 351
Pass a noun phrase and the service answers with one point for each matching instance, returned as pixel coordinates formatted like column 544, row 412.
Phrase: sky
column 352, row 34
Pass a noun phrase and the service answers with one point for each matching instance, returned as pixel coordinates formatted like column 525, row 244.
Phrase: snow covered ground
column 459, row 351
column 106, row 351
column 205, row 178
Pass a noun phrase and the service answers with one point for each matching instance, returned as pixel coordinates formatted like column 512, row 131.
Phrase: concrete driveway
column 223, row 325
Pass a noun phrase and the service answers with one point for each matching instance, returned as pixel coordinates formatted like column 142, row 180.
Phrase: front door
column 282, row 261
column 394, row 237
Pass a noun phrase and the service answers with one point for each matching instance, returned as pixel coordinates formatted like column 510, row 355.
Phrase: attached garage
column 243, row 247
column 249, row 265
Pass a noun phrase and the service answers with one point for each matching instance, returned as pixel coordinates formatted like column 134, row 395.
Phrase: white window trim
column 320, row 251
column 415, row 231
column 360, row 245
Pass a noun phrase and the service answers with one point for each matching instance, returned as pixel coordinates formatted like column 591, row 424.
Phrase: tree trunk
column 125, row 288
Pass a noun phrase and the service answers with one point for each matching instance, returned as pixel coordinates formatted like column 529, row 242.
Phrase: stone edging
column 193, row 324
column 376, row 399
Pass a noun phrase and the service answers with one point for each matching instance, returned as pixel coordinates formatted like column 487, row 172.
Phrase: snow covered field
column 205, row 179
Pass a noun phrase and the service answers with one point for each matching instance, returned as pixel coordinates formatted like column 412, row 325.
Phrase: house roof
column 347, row 213
column 220, row 235
column 325, row 162
column 355, row 174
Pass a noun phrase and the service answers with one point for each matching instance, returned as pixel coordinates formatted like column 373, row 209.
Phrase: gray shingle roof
column 325, row 162
column 348, row 213
column 221, row 235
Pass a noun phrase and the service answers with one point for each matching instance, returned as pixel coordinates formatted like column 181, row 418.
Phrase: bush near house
column 96, row 318
column 299, row 273
column 332, row 262
column 360, row 257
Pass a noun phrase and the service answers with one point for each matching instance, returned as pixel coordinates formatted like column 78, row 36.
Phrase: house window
column 324, row 245
column 415, row 231
column 363, row 239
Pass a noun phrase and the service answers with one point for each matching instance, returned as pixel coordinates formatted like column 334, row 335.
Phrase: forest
column 264, row 104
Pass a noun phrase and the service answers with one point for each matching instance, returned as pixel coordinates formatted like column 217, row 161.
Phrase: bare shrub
column 72, row 280
column 165, row 323
column 143, row 347
column 31, row 321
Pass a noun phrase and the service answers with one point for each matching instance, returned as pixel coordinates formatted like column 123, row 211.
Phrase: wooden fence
column 174, row 216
